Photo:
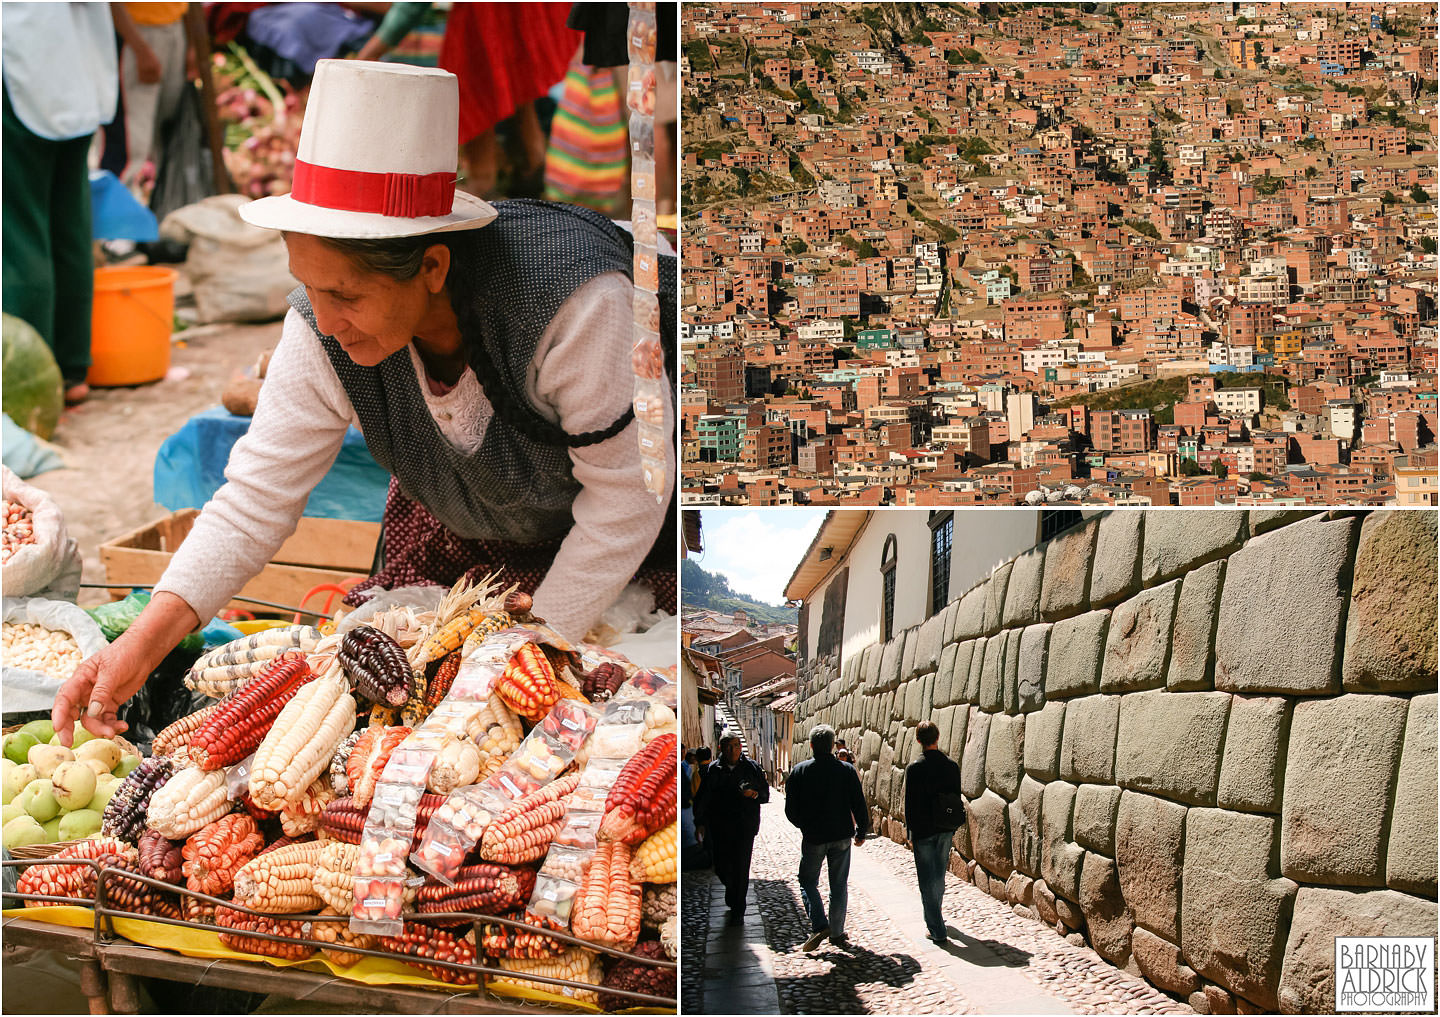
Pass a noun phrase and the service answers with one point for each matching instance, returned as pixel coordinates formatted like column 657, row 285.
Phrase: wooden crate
column 319, row 551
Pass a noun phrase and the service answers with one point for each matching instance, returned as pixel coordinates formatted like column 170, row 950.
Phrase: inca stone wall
column 1204, row 741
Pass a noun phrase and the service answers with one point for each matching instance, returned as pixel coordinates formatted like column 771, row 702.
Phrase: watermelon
column 33, row 393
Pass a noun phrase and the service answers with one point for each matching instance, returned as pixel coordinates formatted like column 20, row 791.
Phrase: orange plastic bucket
column 131, row 323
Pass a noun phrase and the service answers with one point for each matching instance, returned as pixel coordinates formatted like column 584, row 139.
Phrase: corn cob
column 422, row 941
column 304, row 816
column 457, row 763
column 175, row 737
column 339, row 933
column 197, row 911
column 160, row 857
column 216, row 853
column 368, row 758
column 654, row 860
column 377, row 664
column 299, row 745
column 607, row 905
column 286, row 841
column 344, row 821
column 523, row 832
column 643, row 799
column 136, row 897
column 635, row 976
column 438, row 687
column 339, row 776
column 449, row 637
column 189, row 801
column 603, row 682
column 505, row 941
column 530, row 686
column 496, row 732
column 240, row 922
column 657, row 903
column 334, row 878
column 574, row 965
column 482, row 888
column 659, row 720
column 124, row 817
column 236, row 729
column 492, row 623
column 248, row 650
column 76, row 881
column 414, row 712
column 280, row 882
column 670, row 936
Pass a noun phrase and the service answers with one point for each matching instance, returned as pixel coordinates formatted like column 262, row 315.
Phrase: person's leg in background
column 74, row 265
column 811, row 858
column 837, row 858
column 930, row 857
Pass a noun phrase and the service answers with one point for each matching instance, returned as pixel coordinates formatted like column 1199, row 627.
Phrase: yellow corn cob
column 496, row 732
column 383, row 716
column 492, row 622
column 280, row 882
column 300, row 744
column 188, row 802
column 654, row 860
column 334, row 879
column 448, row 637
column 574, row 965
column 415, row 710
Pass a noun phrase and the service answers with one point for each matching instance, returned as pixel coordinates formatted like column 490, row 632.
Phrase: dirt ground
column 109, row 442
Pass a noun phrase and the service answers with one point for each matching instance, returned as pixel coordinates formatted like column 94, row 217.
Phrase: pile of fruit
column 348, row 785
column 51, row 793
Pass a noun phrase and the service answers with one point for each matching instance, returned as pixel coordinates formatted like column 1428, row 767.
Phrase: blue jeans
column 931, row 854
column 836, row 856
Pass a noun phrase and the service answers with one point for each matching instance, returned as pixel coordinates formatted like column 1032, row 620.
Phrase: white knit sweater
column 299, row 427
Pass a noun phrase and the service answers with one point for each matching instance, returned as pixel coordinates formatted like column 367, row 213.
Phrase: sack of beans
column 38, row 557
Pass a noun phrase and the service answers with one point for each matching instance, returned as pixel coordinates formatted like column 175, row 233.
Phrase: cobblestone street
column 996, row 962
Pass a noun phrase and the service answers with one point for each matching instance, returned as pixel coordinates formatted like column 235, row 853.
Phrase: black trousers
column 732, row 863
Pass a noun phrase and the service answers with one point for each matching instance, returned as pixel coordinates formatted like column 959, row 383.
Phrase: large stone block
column 1030, row 667
column 890, row 663
column 869, row 749
column 1308, row 982
column 870, row 666
column 914, row 692
column 1042, row 741
column 1022, row 598
column 969, row 662
column 1390, row 630
column 945, row 676
column 1116, row 574
column 1339, row 781
column 1094, row 822
column 1073, row 665
column 883, row 764
column 1087, row 749
column 1150, row 853
column 1137, row 642
column 952, row 612
column 1025, row 826
column 1106, row 917
column 989, row 823
column 927, row 644
column 1178, row 541
column 1235, row 910
column 1160, row 963
column 1265, row 520
column 959, row 725
column 1192, row 641
column 1004, row 759
column 972, row 762
column 1010, row 672
column 909, row 668
column 1060, row 856
column 970, row 614
column 992, row 673
column 1170, row 744
column 1280, row 610
column 995, row 597
column 1411, row 862
column 1068, row 558
column 1252, row 769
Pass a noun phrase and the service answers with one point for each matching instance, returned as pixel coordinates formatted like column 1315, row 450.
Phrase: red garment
column 504, row 54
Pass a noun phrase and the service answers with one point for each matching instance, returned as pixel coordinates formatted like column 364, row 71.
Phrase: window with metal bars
column 942, row 529
column 887, row 577
column 1056, row 521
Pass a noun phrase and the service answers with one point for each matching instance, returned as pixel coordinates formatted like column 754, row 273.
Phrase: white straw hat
column 377, row 157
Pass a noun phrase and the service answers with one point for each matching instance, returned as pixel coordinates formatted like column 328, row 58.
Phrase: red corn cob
column 486, row 889
column 283, row 842
column 176, row 736
column 507, row 941
column 136, row 897
column 423, row 941
column 161, row 858
column 216, row 853
column 236, row 729
column 241, row 922
column 343, row 820
column 439, row 686
column 368, row 758
column 518, row 603
column 643, row 798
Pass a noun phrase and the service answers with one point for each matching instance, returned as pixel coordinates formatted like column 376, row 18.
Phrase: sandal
column 77, row 393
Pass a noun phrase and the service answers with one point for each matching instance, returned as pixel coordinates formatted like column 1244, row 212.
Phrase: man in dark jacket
column 731, row 793
column 926, row 780
column 823, row 798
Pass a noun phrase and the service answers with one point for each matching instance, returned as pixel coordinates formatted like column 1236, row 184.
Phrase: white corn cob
column 334, row 879
column 227, row 668
column 187, row 803
column 302, row 817
column 281, row 882
column 299, row 746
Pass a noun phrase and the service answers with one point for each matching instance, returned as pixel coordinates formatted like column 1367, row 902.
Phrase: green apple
column 40, row 729
column 102, row 750
column 79, row 824
column 20, row 832
column 15, row 780
column 52, row 830
column 127, row 763
column 46, row 758
column 74, row 784
column 38, row 799
column 16, row 746
column 105, row 786
column 11, row 811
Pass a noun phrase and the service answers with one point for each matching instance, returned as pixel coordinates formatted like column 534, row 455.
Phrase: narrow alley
column 996, row 961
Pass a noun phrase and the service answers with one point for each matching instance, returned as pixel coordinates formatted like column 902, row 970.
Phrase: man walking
column 731, row 793
column 934, row 810
column 823, row 798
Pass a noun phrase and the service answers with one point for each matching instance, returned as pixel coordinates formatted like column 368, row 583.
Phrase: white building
column 1237, row 402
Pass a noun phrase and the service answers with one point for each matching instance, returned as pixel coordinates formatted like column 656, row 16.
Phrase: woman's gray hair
column 400, row 258
column 822, row 739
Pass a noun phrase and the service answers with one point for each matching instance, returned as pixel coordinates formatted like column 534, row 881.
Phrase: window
column 1056, row 521
column 942, row 528
column 887, row 576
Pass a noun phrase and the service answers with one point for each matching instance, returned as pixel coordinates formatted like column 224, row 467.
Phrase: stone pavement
column 996, row 962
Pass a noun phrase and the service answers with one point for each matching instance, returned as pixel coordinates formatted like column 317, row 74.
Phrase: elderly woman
column 488, row 368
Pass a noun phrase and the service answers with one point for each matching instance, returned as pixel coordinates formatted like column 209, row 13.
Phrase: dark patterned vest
column 517, row 271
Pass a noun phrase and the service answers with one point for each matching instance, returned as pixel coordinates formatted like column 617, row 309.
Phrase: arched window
column 887, row 578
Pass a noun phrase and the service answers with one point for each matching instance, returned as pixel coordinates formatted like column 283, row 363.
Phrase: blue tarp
column 190, row 467
column 116, row 215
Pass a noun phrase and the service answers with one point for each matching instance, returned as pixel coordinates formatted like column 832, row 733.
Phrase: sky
column 757, row 550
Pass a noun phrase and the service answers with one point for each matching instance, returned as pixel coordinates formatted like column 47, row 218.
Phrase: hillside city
column 1140, row 254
